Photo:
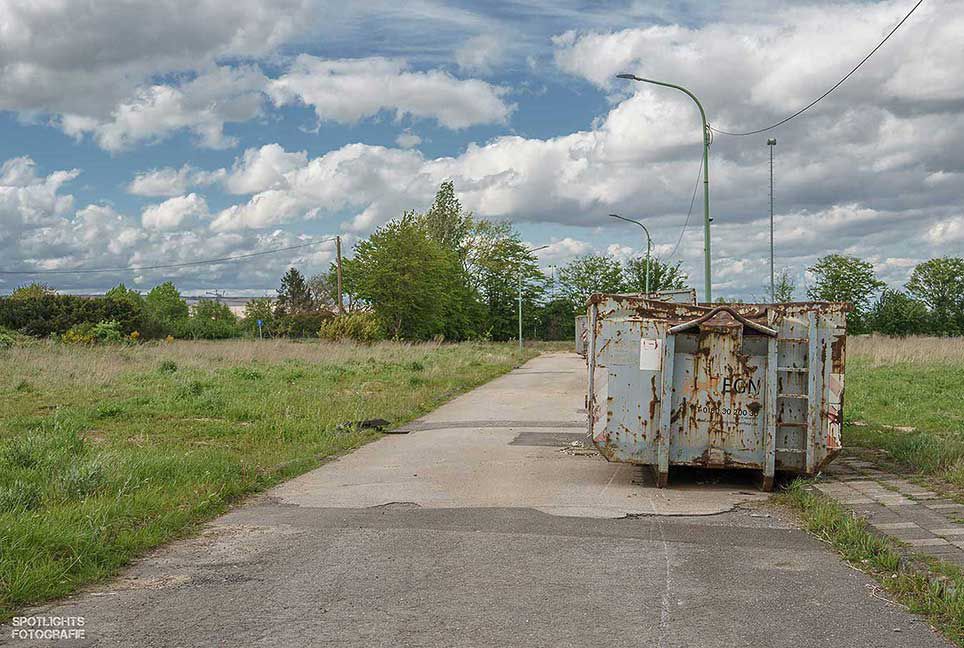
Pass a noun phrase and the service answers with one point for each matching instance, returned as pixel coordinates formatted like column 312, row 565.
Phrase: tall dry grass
column 47, row 362
column 883, row 350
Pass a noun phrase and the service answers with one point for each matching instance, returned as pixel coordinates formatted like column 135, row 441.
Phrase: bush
column 301, row 324
column 87, row 333
column 361, row 327
column 79, row 334
column 49, row 314
column 108, row 331
column 195, row 328
column 259, row 309
column 6, row 339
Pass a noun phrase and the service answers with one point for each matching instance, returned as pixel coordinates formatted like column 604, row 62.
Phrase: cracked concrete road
column 479, row 529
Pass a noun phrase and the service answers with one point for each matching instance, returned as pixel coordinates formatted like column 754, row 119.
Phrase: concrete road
column 487, row 526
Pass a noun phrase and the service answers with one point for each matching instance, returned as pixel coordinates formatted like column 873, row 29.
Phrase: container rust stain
column 755, row 386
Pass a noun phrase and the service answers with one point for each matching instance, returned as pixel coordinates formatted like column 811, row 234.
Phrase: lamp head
column 771, row 142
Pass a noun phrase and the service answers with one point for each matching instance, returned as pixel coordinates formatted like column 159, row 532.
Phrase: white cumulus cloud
column 174, row 213
column 348, row 90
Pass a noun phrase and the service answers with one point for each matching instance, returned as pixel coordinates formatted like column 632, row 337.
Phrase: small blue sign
column 259, row 323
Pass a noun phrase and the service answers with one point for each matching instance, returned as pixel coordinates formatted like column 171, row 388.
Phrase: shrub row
column 52, row 314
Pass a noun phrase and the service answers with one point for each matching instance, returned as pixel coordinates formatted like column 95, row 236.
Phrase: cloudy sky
column 156, row 132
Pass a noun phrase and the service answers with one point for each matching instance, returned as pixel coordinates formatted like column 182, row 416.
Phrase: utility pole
column 541, row 247
column 217, row 294
column 649, row 246
column 773, row 291
column 708, row 283
column 341, row 304
column 520, row 309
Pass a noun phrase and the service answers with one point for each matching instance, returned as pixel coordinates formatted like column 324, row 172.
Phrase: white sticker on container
column 650, row 354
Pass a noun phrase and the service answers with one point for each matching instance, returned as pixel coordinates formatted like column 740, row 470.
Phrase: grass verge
column 904, row 396
column 106, row 452
column 932, row 589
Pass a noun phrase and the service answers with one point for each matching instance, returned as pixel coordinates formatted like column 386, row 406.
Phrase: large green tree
column 445, row 222
column 164, row 305
column 896, row 313
column 846, row 279
column 499, row 263
column 662, row 276
column 122, row 293
column 590, row 274
column 939, row 283
column 414, row 284
column 294, row 295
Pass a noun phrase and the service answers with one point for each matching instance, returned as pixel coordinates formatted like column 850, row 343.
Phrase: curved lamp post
column 708, row 284
column 541, row 247
column 649, row 245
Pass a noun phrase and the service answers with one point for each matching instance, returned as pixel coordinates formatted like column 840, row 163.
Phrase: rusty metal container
column 682, row 296
column 756, row 386
column 582, row 334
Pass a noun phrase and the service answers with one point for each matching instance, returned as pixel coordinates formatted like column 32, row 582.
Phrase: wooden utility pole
column 341, row 305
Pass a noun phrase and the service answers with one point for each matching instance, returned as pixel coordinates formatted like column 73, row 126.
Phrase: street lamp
column 649, row 245
column 773, row 291
column 541, row 247
column 708, row 284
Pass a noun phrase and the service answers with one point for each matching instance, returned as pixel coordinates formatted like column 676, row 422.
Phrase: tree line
column 446, row 274
column 124, row 313
column 932, row 302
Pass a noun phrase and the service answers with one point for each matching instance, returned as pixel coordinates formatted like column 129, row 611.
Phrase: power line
column 834, row 87
column 689, row 213
column 228, row 259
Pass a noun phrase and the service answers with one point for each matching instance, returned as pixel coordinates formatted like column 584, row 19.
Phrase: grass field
column 108, row 451
column 906, row 396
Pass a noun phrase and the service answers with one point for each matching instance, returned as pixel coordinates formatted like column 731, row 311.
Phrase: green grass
column 106, row 452
column 934, row 590
column 885, row 400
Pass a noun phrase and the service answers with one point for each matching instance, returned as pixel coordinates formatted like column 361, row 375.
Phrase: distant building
column 236, row 304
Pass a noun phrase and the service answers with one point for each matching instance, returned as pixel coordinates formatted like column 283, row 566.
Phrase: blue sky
column 148, row 133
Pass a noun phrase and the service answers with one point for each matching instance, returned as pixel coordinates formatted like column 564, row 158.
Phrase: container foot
column 766, row 483
column 661, row 478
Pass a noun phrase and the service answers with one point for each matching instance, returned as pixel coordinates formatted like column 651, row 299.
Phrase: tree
column 896, row 313
column 259, row 309
column 122, row 293
column 208, row 309
column 294, row 295
column 414, row 284
column 324, row 288
column 590, row 274
column 164, row 305
column 32, row 291
column 785, row 287
column 662, row 276
column 496, row 260
column 445, row 222
column 939, row 283
column 556, row 321
column 846, row 279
